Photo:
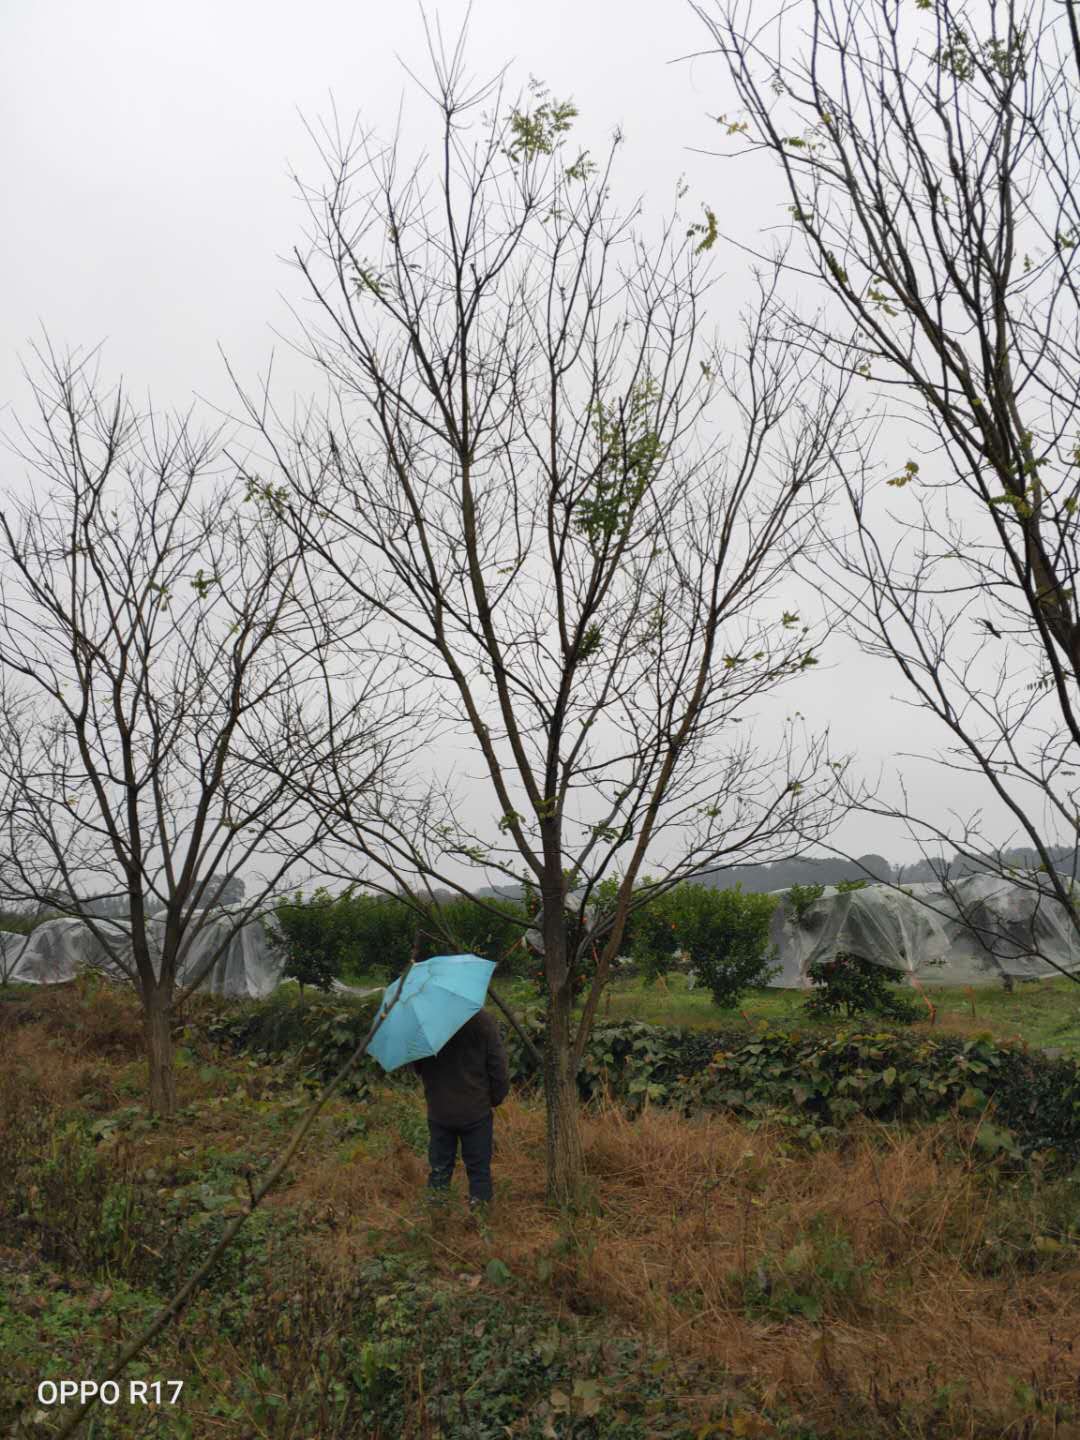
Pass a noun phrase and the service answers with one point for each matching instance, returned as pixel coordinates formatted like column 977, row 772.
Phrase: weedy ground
column 716, row 1280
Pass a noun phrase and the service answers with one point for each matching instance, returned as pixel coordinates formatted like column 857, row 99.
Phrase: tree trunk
column 159, row 1053
column 565, row 1155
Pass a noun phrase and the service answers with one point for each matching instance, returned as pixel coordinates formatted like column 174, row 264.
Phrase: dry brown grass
column 955, row 1022
column 78, row 1049
column 688, row 1213
column 53, row 1075
column 700, row 1207
column 689, row 1219
column 88, row 1017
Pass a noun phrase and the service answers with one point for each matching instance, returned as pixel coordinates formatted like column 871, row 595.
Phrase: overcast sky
column 148, row 205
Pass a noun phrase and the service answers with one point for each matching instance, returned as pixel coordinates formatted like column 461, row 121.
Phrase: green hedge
column 21, row 924
column 314, row 1039
column 825, row 1080
column 353, row 934
column 628, row 1059
column 724, row 934
column 1029, row 1102
column 820, row 1081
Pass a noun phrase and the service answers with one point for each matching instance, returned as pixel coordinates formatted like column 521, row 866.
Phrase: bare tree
column 516, row 471
column 161, row 720
column 929, row 154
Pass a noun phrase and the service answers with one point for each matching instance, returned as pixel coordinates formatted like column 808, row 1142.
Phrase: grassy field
column 720, row 1282
column 1045, row 1014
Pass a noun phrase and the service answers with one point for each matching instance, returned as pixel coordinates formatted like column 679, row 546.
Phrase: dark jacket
column 469, row 1076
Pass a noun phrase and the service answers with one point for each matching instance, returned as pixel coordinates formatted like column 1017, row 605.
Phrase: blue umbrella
column 439, row 995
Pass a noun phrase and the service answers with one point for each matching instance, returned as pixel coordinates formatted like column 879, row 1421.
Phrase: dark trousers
column 476, row 1140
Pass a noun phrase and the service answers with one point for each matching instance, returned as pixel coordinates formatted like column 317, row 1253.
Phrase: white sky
column 148, row 203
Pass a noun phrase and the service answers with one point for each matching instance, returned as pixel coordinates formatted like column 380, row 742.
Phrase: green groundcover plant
column 816, row 1081
column 390, row 1349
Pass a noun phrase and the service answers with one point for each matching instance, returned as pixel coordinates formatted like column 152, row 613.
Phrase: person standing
column 464, row 1084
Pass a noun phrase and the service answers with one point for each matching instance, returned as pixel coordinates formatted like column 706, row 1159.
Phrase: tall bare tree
column 161, row 673
column 929, row 154
column 517, row 450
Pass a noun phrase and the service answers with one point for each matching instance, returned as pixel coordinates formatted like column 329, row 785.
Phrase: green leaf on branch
column 201, row 583
column 582, row 167
column 630, row 453
column 909, row 472
column 590, row 642
column 540, row 130
column 497, row 1272
column 708, row 232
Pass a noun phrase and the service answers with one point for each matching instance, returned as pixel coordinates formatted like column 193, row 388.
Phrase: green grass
column 17, row 990
column 1046, row 1013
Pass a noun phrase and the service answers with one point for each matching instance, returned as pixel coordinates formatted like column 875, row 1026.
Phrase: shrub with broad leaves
column 852, row 985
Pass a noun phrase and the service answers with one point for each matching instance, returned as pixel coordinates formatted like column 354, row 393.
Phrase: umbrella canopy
column 438, row 997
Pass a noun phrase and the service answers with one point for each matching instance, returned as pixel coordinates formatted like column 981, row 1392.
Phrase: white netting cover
column 935, row 946
column 11, row 945
column 881, row 924
column 248, row 965
column 56, row 950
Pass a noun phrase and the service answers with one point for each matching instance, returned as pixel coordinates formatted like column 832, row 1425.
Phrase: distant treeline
column 784, row 873
column 753, row 879
column 229, row 891
column 757, row 879
column 828, row 870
